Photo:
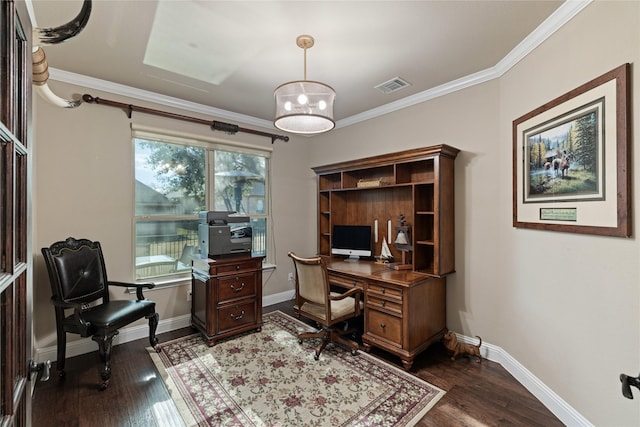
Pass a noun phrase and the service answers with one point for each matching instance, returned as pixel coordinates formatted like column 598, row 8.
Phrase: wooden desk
column 404, row 311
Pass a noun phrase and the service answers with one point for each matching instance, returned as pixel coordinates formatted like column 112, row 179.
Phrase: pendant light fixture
column 304, row 106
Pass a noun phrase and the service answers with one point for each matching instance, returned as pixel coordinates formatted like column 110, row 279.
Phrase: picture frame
column 571, row 163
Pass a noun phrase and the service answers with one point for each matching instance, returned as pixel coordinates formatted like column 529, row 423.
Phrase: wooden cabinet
column 226, row 296
column 404, row 310
column 417, row 183
column 404, row 318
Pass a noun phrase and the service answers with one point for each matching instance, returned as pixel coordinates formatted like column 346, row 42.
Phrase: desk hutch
column 405, row 310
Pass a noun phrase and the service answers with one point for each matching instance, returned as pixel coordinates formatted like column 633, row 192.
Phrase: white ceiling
column 231, row 55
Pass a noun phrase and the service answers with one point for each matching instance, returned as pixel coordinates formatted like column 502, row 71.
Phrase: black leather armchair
column 79, row 282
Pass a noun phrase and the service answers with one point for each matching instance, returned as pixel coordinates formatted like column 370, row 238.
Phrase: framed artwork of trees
column 571, row 169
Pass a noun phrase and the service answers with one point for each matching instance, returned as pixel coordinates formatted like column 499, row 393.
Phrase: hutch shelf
column 417, row 183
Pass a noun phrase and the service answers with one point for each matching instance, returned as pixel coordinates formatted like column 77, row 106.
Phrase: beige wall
column 565, row 306
column 83, row 187
column 592, row 300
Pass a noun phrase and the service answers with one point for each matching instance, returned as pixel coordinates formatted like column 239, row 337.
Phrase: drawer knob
column 382, row 325
column 383, row 303
column 234, row 289
column 382, row 291
column 237, row 267
column 237, row 316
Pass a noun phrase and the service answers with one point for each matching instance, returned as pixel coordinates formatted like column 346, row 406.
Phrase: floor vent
column 392, row 85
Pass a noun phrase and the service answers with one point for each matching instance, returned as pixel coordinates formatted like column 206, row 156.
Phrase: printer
column 223, row 234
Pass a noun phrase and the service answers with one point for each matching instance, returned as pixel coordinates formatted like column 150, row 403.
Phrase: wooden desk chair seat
column 315, row 301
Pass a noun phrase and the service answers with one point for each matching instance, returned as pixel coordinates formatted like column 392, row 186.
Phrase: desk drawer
column 236, row 315
column 384, row 326
column 235, row 267
column 393, row 307
column 385, row 292
column 345, row 282
column 236, row 286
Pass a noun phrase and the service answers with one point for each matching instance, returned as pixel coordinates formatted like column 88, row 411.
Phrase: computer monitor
column 351, row 240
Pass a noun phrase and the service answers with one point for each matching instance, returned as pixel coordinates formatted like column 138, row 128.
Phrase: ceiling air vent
column 392, row 85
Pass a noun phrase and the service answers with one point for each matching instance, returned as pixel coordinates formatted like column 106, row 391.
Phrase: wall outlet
column 291, row 277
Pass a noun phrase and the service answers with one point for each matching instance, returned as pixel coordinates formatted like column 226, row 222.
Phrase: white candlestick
column 389, row 231
column 375, row 230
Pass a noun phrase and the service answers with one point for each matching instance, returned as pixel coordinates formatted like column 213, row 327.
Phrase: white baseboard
column 278, row 298
column 544, row 394
column 86, row 345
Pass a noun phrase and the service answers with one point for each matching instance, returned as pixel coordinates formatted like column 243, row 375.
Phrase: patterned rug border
column 282, row 320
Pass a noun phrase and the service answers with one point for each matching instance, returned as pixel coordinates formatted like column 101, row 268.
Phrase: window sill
column 173, row 281
column 163, row 283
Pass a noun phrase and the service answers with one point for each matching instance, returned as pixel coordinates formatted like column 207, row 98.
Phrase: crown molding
column 555, row 21
column 156, row 98
column 436, row 92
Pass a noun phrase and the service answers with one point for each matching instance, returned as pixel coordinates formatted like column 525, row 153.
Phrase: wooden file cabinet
column 226, row 297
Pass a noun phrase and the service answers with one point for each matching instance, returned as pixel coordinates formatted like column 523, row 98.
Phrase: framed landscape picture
column 571, row 170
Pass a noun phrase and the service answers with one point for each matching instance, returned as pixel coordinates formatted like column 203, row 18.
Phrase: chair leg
column 153, row 325
column 304, row 335
column 338, row 338
column 322, row 334
column 62, row 351
column 334, row 335
column 104, row 348
column 322, row 345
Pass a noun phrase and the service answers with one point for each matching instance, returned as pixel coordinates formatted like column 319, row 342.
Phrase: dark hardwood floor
column 478, row 394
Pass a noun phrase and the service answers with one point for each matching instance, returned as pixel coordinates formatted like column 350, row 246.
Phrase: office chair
column 315, row 301
column 79, row 282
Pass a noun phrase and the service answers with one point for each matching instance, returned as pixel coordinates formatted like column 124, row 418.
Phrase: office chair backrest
column 76, row 270
column 311, row 279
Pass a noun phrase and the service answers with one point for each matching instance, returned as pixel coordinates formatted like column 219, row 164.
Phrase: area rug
column 267, row 378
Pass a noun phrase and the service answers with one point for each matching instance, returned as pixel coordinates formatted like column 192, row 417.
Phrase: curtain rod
column 225, row 127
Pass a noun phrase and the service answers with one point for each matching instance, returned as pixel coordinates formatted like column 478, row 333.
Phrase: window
column 177, row 178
